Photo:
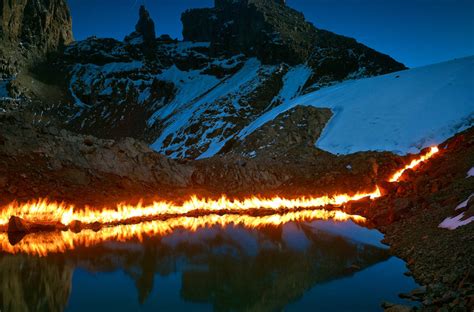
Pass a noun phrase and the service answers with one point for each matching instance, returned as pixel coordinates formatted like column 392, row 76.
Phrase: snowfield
column 401, row 112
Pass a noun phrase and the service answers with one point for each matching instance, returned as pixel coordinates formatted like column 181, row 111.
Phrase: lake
column 310, row 265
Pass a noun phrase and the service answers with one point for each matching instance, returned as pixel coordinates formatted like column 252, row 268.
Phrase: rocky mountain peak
column 267, row 29
column 144, row 30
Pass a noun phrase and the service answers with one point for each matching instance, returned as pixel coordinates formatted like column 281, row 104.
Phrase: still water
column 298, row 266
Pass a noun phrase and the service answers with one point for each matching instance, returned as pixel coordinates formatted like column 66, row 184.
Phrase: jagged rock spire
column 144, row 30
column 145, row 25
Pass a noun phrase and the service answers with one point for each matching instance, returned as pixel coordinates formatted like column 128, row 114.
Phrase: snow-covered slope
column 400, row 112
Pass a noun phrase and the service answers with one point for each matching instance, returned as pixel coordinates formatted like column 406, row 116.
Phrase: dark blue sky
column 415, row 32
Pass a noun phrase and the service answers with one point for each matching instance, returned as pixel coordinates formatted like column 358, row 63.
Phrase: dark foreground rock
column 410, row 215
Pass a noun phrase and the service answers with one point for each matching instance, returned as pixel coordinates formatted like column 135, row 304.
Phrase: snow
column 190, row 85
column 183, row 48
column 293, row 82
column 137, row 40
column 144, row 95
column 401, row 112
column 470, row 173
column 464, row 203
column 452, row 223
column 196, row 94
column 117, row 67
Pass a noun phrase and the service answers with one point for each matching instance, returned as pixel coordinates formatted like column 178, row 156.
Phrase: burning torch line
column 44, row 211
column 415, row 162
column 45, row 243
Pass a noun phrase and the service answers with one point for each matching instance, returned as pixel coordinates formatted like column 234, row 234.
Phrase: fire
column 43, row 244
column 127, row 222
column 415, row 162
column 61, row 213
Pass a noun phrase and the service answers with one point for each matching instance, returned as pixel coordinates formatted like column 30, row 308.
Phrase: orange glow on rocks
column 127, row 222
column 414, row 163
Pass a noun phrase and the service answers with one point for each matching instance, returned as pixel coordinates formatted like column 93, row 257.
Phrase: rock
column 402, row 205
column 30, row 29
column 76, row 226
column 96, row 226
column 12, row 189
column 16, row 224
column 75, row 176
column 144, row 30
column 89, row 141
column 3, row 181
column 19, row 225
column 273, row 32
column 418, row 292
column 392, row 307
column 387, row 187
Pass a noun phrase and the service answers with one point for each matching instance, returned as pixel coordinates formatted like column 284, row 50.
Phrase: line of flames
column 43, row 244
column 45, row 211
column 414, row 163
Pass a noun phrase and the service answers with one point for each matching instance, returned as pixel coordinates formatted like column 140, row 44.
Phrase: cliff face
column 264, row 28
column 275, row 33
column 29, row 29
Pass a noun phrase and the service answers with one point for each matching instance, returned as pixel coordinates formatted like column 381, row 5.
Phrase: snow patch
column 464, row 203
column 190, row 85
column 470, row 173
column 293, row 82
column 452, row 223
column 401, row 112
column 198, row 93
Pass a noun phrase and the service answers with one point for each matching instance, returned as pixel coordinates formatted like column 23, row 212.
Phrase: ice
column 401, row 112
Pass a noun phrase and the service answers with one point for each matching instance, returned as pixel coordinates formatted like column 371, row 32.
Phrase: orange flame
column 43, row 244
column 44, row 211
column 415, row 162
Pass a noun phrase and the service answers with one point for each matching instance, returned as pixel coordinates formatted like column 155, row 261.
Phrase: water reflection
column 222, row 268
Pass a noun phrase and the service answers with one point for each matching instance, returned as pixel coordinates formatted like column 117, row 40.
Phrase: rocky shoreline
column 438, row 258
column 408, row 214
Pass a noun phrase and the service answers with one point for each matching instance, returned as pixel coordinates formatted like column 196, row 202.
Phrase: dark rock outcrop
column 276, row 33
column 29, row 29
column 144, row 30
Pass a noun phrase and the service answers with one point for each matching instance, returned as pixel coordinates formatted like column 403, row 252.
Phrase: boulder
column 19, row 225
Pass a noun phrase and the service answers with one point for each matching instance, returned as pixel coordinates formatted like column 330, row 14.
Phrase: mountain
column 401, row 112
column 187, row 99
